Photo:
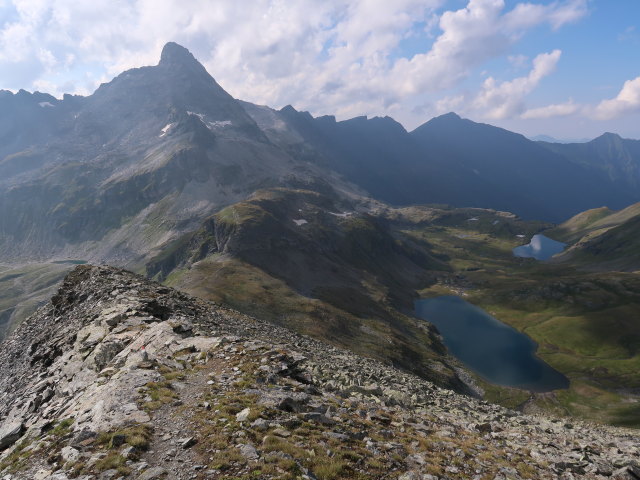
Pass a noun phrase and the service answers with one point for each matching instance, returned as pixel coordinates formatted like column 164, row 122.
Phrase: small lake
column 540, row 248
column 497, row 352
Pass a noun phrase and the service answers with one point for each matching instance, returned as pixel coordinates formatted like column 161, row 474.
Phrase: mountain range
column 158, row 149
column 330, row 228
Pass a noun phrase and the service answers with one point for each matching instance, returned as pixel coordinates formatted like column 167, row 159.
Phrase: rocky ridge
column 119, row 377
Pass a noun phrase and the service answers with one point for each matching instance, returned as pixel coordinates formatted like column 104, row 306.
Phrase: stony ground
column 122, row 378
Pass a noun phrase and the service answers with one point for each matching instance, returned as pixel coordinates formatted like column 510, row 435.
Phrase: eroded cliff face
column 119, row 377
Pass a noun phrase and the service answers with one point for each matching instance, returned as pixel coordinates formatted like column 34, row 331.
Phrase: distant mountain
column 447, row 160
column 544, row 138
column 514, row 174
column 150, row 154
column 114, row 176
column 550, row 139
column 615, row 157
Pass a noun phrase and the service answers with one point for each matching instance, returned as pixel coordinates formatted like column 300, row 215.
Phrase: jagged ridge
column 121, row 377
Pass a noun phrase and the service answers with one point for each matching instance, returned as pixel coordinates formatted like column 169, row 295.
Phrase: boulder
column 10, row 433
column 70, row 454
column 243, row 415
column 249, row 452
column 153, row 474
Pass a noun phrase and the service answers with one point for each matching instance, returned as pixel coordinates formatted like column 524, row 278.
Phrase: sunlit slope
column 603, row 240
column 315, row 264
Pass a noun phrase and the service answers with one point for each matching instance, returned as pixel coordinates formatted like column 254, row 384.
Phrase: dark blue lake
column 497, row 352
column 540, row 248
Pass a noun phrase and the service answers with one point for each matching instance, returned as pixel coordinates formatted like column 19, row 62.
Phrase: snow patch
column 211, row 125
column 474, row 219
column 223, row 123
column 46, row 104
column 300, row 222
column 199, row 115
column 166, row 129
column 341, row 215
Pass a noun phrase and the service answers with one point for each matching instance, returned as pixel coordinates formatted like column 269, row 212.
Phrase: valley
column 333, row 229
column 583, row 322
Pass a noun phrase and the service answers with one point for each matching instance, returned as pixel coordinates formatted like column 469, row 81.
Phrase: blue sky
column 565, row 68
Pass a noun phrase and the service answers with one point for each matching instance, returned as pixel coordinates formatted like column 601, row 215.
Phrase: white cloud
column 626, row 102
column 550, row 111
column 556, row 14
column 331, row 56
column 472, row 35
column 506, row 99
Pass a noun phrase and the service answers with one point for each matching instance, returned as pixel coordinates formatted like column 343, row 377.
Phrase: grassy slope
column 585, row 323
column 232, row 282
column 602, row 240
column 344, row 279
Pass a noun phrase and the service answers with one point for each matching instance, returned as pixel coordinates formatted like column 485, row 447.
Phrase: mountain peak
column 610, row 135
column 607, row 137
column 174, row 54
column 450, row 116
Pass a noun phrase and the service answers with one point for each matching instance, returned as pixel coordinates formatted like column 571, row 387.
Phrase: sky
column 565, row 68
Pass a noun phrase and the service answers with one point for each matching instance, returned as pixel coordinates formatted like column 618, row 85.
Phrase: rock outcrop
column 119, row 377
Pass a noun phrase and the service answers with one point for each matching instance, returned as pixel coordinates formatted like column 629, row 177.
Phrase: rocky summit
column 120, row 377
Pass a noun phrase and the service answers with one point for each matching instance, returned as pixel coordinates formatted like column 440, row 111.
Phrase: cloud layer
column 406, row 58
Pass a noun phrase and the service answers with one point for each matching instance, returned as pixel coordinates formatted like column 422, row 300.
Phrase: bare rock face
column 119, row 377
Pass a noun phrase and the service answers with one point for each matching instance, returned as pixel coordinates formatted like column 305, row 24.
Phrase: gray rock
column 243, row 415
column 249, row 452
column 57, row 476
column 411, row 475
column 338, row 436
column 281, row 432
column 605, row 469
column 153, row 474
column 129, row 452
column 10, row 433
column 260, row 424
column 484, row 427
column 105, row 352
column 70, row 454
column 187, row 442
column 415, row 460
column 624, row 474
column 634, row 468
column 109, row 474
column 288, row 402
column 318, row 418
